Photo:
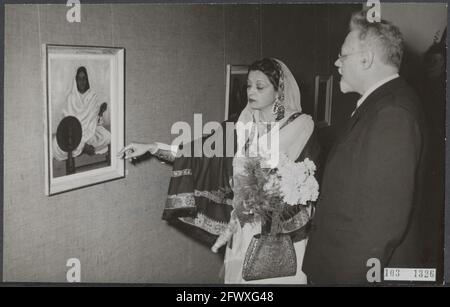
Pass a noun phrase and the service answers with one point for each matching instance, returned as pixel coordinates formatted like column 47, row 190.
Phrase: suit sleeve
column 387, row 181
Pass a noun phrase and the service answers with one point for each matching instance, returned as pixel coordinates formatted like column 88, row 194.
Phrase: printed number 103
column 391, row 273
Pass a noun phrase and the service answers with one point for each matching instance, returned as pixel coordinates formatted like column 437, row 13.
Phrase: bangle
column 165, row 155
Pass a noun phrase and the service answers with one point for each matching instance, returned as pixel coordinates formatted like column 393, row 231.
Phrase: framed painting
column 84, row 125
column 323, row 100
column 236, row 91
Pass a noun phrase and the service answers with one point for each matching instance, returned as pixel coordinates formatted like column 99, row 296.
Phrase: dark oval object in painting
column 68, row 133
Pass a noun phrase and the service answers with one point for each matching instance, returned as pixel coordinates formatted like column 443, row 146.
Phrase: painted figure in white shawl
column 82, row 102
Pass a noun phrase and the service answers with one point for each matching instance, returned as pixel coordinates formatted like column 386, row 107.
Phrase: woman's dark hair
column 83, row 69
column 270, row 68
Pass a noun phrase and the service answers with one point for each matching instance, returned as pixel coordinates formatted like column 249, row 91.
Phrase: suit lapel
column 368, row 105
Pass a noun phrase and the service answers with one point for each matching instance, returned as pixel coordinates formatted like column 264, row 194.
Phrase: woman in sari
column 201, row 188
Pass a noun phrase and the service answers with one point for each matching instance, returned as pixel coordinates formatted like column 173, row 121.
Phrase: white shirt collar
column 373, row 88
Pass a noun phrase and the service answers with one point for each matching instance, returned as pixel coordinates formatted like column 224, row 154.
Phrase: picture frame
column 85, row 108
column 323, row 98
column 236, row 91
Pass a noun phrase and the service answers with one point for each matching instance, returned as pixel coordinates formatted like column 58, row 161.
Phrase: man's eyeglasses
column 341, row 57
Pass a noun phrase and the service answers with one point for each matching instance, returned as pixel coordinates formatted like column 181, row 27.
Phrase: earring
column 278, row 109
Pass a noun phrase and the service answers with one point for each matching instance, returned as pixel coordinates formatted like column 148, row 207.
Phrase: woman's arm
column 165, row 152
column 160, row 150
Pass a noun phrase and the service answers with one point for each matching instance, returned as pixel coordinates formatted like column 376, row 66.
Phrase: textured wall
column 175, row 66
column 418, row 22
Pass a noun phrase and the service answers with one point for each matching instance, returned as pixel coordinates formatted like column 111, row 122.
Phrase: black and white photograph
column 228, row 144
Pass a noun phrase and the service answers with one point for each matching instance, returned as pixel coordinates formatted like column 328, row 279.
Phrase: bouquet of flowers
column 262, row 190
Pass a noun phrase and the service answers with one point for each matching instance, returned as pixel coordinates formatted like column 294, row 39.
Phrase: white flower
column 289, row 192
column 297, row 182
column 310, row 166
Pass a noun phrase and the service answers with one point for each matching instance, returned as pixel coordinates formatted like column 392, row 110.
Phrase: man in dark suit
column 368, row 206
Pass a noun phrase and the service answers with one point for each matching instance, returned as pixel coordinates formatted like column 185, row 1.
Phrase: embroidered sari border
column 205, row 223
column 182, row 172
